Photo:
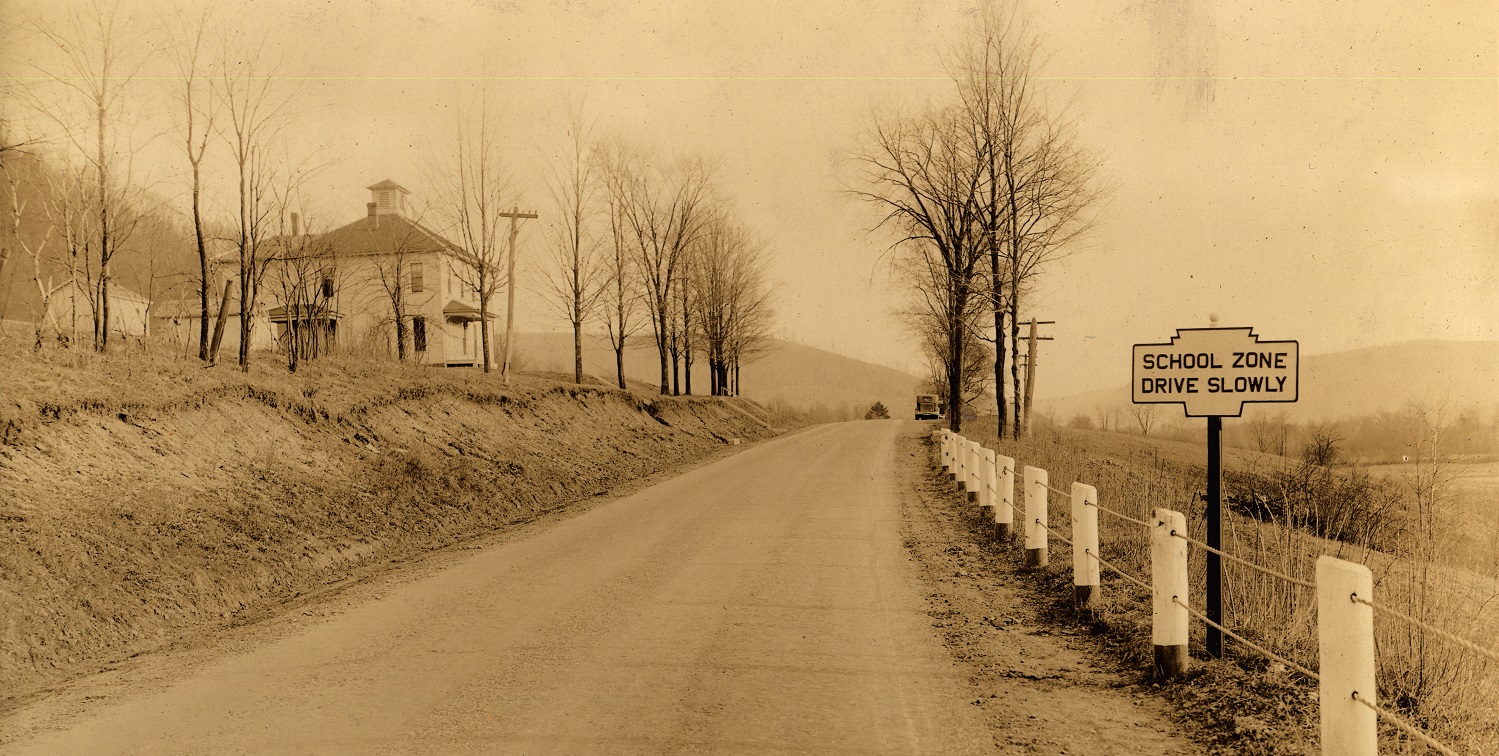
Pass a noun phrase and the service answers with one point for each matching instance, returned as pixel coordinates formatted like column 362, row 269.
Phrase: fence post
column 946, row 450
column 960, row 464
column 1035, row 517
column 1345, row 639
column 986, row 487
column 1004, row 506
column 1168, row 579
column 1085, row 545
column 974, row 456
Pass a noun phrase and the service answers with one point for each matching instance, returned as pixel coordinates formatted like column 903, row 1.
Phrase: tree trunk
column 204, row 293
column 619, row 361
column 1015, row 358
column 102, row 330
column 577, row 351
column 955, row 374
column 484, row 319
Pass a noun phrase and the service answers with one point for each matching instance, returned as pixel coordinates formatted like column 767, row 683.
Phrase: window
column 419, row 333
column 327, row 288
column 384, row 198
column 416, row 278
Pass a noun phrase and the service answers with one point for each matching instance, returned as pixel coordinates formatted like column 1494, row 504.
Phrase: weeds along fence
column 1346, row 646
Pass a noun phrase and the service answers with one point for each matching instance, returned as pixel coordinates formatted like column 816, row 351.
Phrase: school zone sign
column 1215, row 371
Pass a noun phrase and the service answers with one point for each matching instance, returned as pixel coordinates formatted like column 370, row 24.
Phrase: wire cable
column 1464, row 642
column 1405, row 726
column 1119, row 572
column 1054, row 532
column 1267, row 652
column 1246, row 563
column 1122, row 516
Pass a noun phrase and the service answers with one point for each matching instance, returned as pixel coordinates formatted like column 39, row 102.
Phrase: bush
column 877, row 412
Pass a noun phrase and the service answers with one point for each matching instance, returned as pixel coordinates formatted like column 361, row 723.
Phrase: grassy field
column 1447, row 689
column 1470, row 515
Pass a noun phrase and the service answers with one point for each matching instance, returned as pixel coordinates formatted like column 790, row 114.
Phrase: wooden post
column 986, row 487
column 974, row 457
column 1345, row 639
column 1085, row 581
column 1035, row 517
column 1004, row 506
column 952, row 455
column 1168, row 578
column 960, row 466
column 218, row 324
column 946, row 438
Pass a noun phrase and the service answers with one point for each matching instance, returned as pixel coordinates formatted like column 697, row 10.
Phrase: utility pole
column 514, row 215
column 1030, row 368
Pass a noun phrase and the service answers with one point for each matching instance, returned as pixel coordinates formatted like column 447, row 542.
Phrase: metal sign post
column 1213, row 373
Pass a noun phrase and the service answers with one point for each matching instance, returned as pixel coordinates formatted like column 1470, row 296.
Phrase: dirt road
column 764, row 602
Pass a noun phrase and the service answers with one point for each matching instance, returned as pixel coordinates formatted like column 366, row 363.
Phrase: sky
column 1320, row 171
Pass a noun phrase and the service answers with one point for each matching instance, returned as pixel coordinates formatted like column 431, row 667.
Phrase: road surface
column 764, row 602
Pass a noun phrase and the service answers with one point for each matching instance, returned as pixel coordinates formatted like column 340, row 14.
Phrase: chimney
column 373, row 218
column 296, row 224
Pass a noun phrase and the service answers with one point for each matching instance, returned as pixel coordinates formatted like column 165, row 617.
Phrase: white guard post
column 986, row 487
column 1345, row 636
column 1004, row 506
column 975, row 455
column 960, row 464
column 1168, row 578
column 1035, row 517
column 1085, row 545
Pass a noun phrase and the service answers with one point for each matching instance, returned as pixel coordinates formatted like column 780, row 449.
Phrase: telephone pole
column 1030, row 368
column 514, row 215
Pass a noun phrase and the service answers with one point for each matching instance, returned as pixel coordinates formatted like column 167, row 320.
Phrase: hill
column 789, row 374
column 1457, row 374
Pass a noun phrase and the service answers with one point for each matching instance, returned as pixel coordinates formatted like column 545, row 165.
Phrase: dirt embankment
column 124, row 525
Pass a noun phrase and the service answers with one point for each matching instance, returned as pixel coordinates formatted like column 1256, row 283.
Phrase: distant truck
column 927, row 407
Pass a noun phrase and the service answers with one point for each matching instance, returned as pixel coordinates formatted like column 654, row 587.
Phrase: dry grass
column 1447, row 689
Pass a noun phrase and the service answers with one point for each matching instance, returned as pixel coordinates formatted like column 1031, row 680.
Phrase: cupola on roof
column 388, row 198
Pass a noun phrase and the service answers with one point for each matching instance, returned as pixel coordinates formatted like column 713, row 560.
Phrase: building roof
column 388, row 184
column 384, row 235
column 459, row 311
column 116, row 291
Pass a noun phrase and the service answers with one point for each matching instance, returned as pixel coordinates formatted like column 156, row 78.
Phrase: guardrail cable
column 1119, row 572
column 1122, row 516
column 1405, row 726
column 1054, row 532
column 1246, row 563
column 1257, row 647
column 1464, row 642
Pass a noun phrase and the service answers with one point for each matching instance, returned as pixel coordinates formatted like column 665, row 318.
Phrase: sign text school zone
column 1214, row 371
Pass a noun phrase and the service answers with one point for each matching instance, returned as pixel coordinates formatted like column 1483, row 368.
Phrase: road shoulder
column 1043, row 687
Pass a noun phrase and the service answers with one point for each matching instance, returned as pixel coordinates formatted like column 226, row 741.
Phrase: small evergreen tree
column 877, row 412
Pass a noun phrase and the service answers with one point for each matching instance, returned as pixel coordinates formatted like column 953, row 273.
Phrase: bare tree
column 575, row 276
column 22, row 178
column 472, row 192
column 98, row 65
column 1038, row 182
column 923, row 171
column 1145, row 417
column 395, row 249
column 622, row 286
column 664, row 208
column 730, row 297
column 305, row 271
column 198, row 109
column 253, row 109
